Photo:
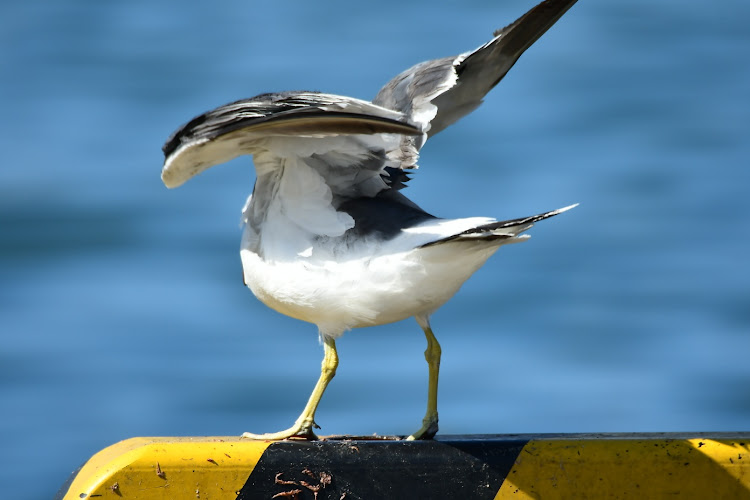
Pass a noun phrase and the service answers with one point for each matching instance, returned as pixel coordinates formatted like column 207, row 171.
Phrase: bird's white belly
column 367, row 291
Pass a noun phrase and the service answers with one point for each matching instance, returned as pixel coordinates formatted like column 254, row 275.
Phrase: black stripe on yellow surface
column 453, row 467
column 566, row 466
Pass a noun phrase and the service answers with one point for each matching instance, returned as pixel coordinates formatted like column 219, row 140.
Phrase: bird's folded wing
column 242, row 127
column 437, row 93
column 499, row 230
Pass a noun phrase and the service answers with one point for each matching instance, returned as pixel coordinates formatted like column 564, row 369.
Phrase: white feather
column 343, row 285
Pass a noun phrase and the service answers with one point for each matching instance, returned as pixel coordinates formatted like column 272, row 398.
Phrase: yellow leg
column 432, row 355
column 303, row 427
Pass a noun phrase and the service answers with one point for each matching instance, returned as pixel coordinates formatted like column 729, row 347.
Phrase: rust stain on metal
column 290, row 493
column 321, row 480
column 278, row 480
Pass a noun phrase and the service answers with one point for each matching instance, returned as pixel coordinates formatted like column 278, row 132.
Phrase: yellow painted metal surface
column 204, row 468
column 699, row 468
column 583, row 466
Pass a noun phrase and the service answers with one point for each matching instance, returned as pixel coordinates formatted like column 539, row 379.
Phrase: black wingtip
column 176, row 139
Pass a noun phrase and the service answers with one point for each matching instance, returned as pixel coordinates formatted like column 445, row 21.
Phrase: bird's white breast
column 338, row 287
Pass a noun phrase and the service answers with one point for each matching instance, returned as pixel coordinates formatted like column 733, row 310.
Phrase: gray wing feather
column 290, row 113
column 238, row 127
column 457, row 85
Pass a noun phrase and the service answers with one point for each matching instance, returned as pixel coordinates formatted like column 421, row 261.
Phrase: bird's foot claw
column 298, row 431
column 428, row 430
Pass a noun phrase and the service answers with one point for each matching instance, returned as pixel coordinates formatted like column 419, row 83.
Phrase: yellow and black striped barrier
column 569, row 466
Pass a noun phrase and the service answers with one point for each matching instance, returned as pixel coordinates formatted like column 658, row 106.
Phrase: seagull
column 328, row 236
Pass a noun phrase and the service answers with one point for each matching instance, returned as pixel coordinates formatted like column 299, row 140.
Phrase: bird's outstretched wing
column 366, row 146
column 286, row 121
column 437, row 93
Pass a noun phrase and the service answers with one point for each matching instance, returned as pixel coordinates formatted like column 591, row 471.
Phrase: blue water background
column 122, row 310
